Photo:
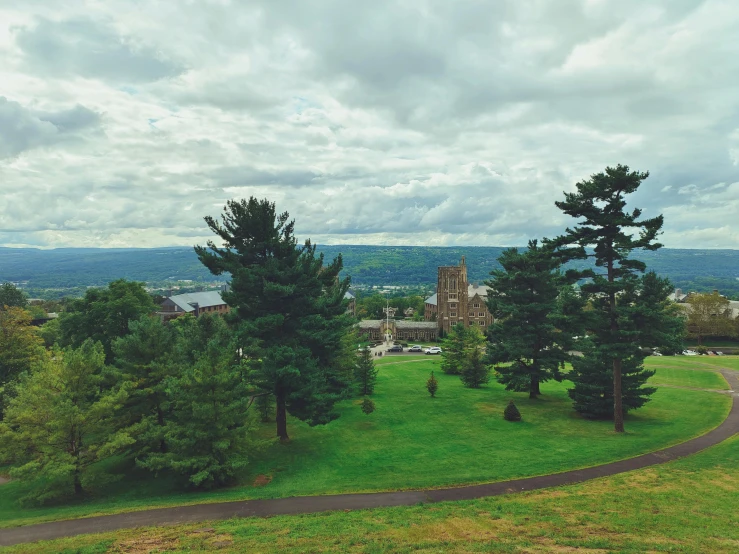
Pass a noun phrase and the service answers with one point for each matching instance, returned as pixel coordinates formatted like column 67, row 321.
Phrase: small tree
column 511, row 413
column 265, row 405
column 365, row 373
column 475, row 371
column 458, row 347
column 432, row 385
column 368, row 406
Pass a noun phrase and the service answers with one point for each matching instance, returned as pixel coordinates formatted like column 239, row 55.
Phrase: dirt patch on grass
column 262, row 480
column 148, row 543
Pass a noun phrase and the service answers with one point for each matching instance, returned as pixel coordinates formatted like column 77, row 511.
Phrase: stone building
column 195, row 303
column 457, row 301
column 379, row 329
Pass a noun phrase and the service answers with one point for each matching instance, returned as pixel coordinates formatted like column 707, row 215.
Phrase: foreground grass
column 414, row 441
column 690, row 505
column 689, row 378
column 695, row 362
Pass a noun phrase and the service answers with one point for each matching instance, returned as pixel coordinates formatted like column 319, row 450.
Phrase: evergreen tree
column 535, row 316
column 455, row 347
column 104, row 314
column 61, row 423
column 368, row 406
column 432, row 385
column 475, row 371
column 288, row 309
column 511, row 413
column 613, row 234
column 144, row 359
column 207, row 432
column 365, row 373
column 265, row 405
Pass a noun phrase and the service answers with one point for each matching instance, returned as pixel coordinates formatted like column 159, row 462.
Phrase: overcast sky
column 124, row 122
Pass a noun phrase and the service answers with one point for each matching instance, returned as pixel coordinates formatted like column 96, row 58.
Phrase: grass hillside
column 414, row 441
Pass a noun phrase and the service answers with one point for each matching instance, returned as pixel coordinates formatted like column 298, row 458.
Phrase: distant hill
column 68, row 268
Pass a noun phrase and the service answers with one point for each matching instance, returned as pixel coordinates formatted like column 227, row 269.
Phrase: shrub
column 368, row 406
column 511, row 413
column 701, row 350
column 432, row 385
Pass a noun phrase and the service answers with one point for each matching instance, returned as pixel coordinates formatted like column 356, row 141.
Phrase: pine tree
column 61, row 423
column 432, row 385
column 365, row 373
column 613, row 234
column 144, row 359
column 207, row 433
column 288, row 309
column 265, row 405
column 475, row 371
column 536, row 314
column 456, row 346
column 368, row 406
column 511, row 413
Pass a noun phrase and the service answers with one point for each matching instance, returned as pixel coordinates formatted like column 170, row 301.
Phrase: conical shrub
column 511, row 413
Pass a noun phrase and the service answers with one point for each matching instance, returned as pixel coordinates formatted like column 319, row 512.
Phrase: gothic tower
column 451, row 296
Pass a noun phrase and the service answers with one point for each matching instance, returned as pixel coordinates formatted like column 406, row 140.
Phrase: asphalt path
column 313, row 504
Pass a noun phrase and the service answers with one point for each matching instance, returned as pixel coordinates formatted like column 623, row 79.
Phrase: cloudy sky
column 124, row 122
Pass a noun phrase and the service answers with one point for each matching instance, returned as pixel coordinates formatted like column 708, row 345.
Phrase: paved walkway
column 312, row 504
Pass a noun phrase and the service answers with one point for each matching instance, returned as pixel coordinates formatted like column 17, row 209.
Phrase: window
column 482, row 324
column 452, row 305
column 481, row 314
column 453, row 314
column 475, row 305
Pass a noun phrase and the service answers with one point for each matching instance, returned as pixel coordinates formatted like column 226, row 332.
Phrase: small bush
column 368, row 406
column 511, row 413
column 432, row 385
column 701, row 350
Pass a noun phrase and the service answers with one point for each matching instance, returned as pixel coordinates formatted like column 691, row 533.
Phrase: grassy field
column 414, row 441
column 689, row 378
column 690, row 505
column 695, row 362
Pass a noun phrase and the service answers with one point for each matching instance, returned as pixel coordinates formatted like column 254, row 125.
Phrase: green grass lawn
column 414, row 441
column 689, row 505
column 689, row 378
column 695, row 362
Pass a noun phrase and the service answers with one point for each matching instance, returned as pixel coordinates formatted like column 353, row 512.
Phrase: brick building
column 195, row 303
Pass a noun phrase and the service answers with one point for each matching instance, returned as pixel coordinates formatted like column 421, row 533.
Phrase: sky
column 415, row 122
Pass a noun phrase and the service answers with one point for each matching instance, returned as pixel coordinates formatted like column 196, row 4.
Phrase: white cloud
column 384, row 123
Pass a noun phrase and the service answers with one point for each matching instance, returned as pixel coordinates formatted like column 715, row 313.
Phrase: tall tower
column 451, row 296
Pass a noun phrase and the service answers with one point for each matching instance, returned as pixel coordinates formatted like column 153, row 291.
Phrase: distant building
column 457, row 301
column 352, row 307
column 378, row 329
column 195, row 303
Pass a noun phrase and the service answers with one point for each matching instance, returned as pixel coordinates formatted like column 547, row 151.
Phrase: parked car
column 395, row 348
column 416, row 348
column 689, row 353
column 718, row 353
column 433, row 350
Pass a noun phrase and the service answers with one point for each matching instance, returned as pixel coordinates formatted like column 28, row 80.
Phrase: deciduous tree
column 709, row 315
column 61, row 423
column 20, row 347
column 12, row 297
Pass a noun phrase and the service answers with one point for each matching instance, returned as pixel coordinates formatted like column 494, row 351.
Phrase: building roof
column 733, row 306
column 431, row 299
column 348, row 296
column 480, row 290
column 202, row 299
column 369, row 324
column 402, row 324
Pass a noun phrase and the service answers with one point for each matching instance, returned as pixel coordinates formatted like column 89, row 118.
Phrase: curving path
column 311, row 504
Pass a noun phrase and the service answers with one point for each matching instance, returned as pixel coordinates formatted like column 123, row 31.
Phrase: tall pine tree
column 611, row 234
column 535, row 316
column 288, row 309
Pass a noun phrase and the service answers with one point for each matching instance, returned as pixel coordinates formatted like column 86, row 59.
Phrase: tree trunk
column 281, row 418
column 77, row 482
column 618, row 411
column 534, row 387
